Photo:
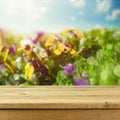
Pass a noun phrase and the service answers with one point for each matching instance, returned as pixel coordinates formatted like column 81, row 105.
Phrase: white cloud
column 115, row 15
column 78, row 3
column 104, row 5
column 29, row 10
column 25, row 13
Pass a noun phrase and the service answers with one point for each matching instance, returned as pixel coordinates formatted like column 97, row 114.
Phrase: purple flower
column 69, row 69
column 12, row 49
column 35, row 65
column 81, row 82
column 44, row 70
column 39, row 35
column 27, row 47
column 48, row 52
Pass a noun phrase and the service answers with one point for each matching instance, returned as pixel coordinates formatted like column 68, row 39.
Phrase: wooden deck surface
column 60, row 103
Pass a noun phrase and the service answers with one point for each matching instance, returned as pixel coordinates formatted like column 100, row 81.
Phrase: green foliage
column 96, row 53
column 62, row 79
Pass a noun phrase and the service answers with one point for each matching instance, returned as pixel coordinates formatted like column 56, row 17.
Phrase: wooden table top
column 59, row 97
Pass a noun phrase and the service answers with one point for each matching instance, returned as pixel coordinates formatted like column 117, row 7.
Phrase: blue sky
column 56, row 15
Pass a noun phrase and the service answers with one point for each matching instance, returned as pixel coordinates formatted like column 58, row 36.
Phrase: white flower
column 18, row 59
column 25, row 41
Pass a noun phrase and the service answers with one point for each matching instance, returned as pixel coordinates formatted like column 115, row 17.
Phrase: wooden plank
column 60, row 97
column 61, row 87
column 59, row 114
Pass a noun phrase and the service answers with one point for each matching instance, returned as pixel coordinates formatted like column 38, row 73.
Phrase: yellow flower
column 0, row 47
column 60, row 49
column 79, row 34
column 72, row 51
column 50, row 41
column 6, row 55
column 61, row 46
column 29, row 71
column 9, row 67
column 13, row 63
column 21, row 48
column 57, row 52
column 64, row 33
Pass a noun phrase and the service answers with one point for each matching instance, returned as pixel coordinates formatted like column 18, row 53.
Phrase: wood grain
column 60, row 115
column 59, row 103
column 52, row 97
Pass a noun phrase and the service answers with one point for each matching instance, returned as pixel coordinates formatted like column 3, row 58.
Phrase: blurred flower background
column 60, row 42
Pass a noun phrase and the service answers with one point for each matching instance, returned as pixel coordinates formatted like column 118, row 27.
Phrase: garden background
column 57, row 42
